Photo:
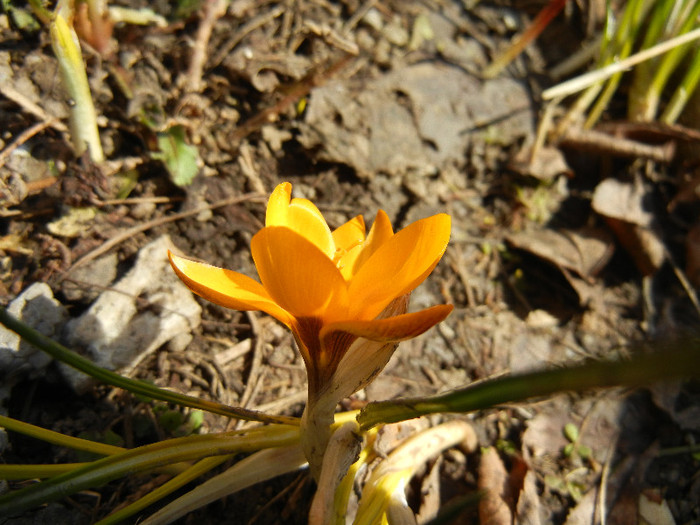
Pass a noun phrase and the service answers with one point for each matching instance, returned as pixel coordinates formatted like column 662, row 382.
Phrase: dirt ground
column 362, row 105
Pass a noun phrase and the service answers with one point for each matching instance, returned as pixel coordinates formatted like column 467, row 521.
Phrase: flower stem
column 316, row 423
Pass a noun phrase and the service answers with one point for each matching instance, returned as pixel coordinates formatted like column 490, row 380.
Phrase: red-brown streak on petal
column 334, row 347
column 306, row 332
column 396, row 307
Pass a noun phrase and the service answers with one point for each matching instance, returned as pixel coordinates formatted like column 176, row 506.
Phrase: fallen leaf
column 653, row 509
column 493, row 482
column 547, row 163
column 626, row 207
column 73, row 223
column 528, row 509
column 584, row 251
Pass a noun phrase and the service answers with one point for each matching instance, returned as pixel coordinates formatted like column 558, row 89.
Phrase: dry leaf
column 628, row 213
column 585, row 251
column 653, row 509
column 547, row 163
column 493, row 482
column 528, row 509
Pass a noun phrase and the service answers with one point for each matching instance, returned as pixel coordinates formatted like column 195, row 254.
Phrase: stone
column 144, row 310
column 36, row 307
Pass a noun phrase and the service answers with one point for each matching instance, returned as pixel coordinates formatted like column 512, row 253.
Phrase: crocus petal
column 390, row 329
column 349, row 234
column 379, row 234
column 226, row 288
column 347, row 262
column 398, row 265
column 278, row 205
column 298, row 275
column 375, row 342
column 300, row 215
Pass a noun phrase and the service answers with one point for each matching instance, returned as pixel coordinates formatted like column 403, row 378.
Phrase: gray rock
column 36, row 307
column 145, row 309
column 414, row 119
column 87, row 282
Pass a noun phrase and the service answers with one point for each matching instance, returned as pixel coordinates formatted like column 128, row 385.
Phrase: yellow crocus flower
column 342, row 293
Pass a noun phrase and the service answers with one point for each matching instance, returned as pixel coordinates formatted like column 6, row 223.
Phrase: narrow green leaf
column 145, row 458
column 674, row 360
column 63, row 354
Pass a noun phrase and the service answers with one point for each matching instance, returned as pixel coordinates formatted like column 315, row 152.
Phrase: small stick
column 136, row 200
column 541, row 21
column 30, row 107
column 213, row 10
column 592, row 140
column 24, row 137
column 297, row 91
column 244, row 31
column 114, row 241
column 256, row 362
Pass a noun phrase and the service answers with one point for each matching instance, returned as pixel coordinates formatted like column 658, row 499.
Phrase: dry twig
column 114, row 241
column 213, row 10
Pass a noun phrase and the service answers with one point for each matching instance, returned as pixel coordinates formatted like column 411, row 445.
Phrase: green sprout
column 83, row 119
column 657, row 40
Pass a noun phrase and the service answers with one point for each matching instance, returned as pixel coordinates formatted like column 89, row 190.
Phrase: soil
column 361, row 106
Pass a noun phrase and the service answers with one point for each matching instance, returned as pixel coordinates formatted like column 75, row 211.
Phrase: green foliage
column 506, row 446
column 208, row 450
column 571, row 432
column 660, row 39
column 108, row 437
column 175, row 423
column 179, row 158
column 19, row 17
column 186, row 8
column 573, row 448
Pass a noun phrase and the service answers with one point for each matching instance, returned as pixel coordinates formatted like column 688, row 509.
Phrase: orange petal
column 297, row 275
column 278, row 204
column 379, row 234
column 391, row 329
column 398, row 265
column 347, row 262
column 226, row 288
column 349, row 234
column 300, row 215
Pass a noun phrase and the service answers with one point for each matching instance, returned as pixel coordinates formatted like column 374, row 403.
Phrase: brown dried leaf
column 585, row 251
column 545, row 165
column 653, row 509
column 626, row 208
column 493, row 482
column 528, row 509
